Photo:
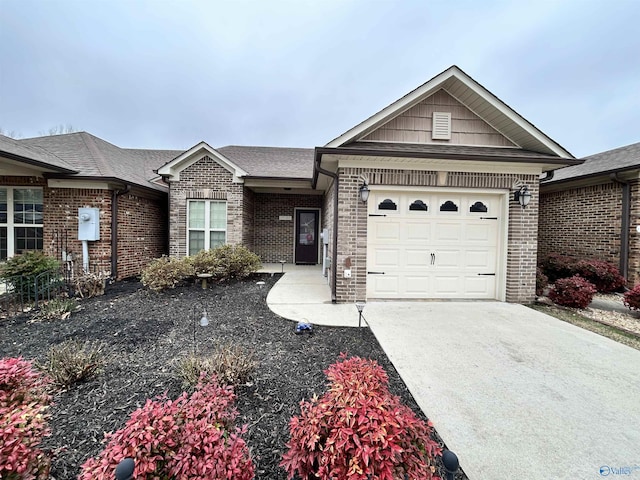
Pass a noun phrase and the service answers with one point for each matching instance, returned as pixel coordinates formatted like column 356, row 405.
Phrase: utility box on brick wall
column 88, row 224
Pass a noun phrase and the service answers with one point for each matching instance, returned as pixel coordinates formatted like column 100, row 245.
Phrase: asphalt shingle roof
column 623, row 158
column 33, row 153
column 272, row 161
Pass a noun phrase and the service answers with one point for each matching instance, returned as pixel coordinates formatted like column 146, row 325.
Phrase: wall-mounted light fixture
column 364, row 192
column 522, row 196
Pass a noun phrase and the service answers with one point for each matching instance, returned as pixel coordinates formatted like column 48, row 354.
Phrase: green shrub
column 21, row 272
column 167, row 272
column 231, row 364
column 57, row 309
column 573, row 292
column 227, row 262
column 73, row 361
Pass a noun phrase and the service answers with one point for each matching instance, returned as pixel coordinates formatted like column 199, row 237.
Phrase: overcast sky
column 168, row 74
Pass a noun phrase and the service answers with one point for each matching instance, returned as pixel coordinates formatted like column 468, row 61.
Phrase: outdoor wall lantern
column 364, row 192
column 522, row 196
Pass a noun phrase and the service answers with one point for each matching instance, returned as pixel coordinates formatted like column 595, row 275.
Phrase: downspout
column 548, row 176
column 624, row 228
column 114, row 228
column 334, row 256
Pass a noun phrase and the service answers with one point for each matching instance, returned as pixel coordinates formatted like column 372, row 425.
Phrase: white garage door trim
column 422, row 272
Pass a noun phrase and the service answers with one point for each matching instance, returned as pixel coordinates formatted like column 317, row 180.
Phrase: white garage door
column 433, row 245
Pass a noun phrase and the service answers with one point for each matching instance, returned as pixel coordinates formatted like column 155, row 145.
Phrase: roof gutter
column 624, row 224
column 114, row 228
column 317, row 169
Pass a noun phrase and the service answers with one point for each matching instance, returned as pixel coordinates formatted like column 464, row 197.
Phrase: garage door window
column 418, row 206
column 448, row 206
column 478, row 207
column 387, row 204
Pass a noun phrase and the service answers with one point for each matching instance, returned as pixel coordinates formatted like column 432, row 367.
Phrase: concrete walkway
column 515, row 393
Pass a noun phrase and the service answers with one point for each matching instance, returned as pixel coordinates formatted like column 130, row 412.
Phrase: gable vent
column 441, row 126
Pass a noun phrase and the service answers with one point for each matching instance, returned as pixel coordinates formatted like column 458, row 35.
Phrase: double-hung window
column 20, row 220
column 207, row 225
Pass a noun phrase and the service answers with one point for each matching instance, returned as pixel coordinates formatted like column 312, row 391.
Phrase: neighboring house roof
column 34, row 155
column 275, row 162
column 93, row 157
column 474, row 96
column 611, row 161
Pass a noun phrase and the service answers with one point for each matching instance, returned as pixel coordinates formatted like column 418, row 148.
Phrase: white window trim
column 207, row 219
column 10, row 224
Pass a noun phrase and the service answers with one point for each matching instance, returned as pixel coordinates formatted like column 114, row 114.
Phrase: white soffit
column 191, row 156
column 475, row 97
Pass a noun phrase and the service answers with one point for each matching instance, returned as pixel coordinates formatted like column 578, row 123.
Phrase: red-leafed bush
column 605, row 276
column 23, row 420
column 557, row 266
column 358, row 430
column 573, row 292
column 192, row 437
column 632, row 298
column 541, row 281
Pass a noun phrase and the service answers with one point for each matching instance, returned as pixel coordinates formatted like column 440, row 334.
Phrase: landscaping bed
column 145, row 333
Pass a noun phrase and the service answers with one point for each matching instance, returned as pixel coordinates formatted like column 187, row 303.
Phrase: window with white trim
column 206, row 225
column 20, row 220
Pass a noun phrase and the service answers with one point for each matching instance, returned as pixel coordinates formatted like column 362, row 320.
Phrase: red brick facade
column 141, row 224
column 586, row 222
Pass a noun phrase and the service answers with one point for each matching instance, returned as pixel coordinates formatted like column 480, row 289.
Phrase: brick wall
column 205, row 179
column 352, row 229
column 586, row 222
column 274, row 238
column 142, row 233
column 248, row 219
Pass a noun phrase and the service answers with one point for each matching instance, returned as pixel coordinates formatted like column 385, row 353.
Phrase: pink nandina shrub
column 573, row 292
column 23, row 420
column 358, row 430
column 192, row 437
column 632, row 298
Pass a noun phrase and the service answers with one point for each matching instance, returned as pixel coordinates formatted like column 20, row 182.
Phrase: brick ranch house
column 441, row 166
column 593, row 210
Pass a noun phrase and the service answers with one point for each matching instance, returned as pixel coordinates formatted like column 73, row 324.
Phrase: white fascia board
column 395, row 109
column 194, row 154
column 80, row 183
column 445, row 165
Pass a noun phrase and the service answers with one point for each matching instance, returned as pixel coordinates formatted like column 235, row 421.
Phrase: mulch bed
column 146, row 332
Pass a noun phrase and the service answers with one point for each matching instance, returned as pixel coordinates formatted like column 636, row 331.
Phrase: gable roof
column 474, row 96
column 33, row 155
column 611, row 161
column 93, row 157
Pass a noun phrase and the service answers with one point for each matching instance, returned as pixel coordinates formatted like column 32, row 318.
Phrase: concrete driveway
column 516, row 393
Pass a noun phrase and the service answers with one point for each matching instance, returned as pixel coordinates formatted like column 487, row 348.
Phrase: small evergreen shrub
column 21, row 271
column 632, row 298
column 541, row 281
column 359, row 430
column 192, row 437
column 72, row 362
column 572, row 292
column 23, row 421
column 556, row 266
column 166, row 272
column 226, row 262
column 57, row 309
column 605, row 276
column 231, row 364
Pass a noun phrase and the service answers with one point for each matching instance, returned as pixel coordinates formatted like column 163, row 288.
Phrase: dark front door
column 307, row 236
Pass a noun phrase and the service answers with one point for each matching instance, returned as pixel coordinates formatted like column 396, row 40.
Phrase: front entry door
column 306, row 236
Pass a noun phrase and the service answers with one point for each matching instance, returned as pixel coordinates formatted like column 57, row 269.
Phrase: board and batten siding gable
column 415, row 125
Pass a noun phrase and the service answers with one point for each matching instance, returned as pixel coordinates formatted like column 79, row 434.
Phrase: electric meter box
column 89, row 224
